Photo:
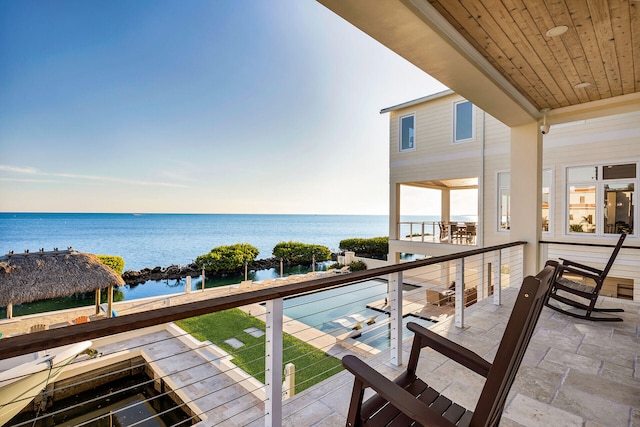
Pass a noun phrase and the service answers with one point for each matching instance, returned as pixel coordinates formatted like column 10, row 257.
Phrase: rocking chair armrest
column 452, row 350
column 566, row 262
column 394, row 394
column 579, row 272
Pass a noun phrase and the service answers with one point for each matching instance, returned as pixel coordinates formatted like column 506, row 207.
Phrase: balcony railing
column 363, row 315
column 454, row 233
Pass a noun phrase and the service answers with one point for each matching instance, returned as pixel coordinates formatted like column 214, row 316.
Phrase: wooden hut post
column 97, row 301
column 110, row 302
column 10, row 311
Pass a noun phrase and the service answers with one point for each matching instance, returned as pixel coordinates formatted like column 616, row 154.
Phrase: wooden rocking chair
column 583, row 290
column 410, row 401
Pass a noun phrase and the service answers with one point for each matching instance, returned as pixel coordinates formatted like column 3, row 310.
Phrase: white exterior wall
column 614, row 139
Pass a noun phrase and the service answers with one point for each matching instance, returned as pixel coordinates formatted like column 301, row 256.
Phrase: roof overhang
column 415, row 30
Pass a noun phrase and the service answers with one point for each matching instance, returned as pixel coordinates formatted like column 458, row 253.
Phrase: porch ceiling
column 446, row 184
column 496, row 52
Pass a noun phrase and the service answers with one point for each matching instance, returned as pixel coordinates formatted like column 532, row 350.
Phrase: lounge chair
column 80, row 319
column 343, row 270
column 583, row 290
column 408, row 400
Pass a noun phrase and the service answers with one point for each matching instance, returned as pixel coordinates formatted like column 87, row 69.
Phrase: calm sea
column 150, row 240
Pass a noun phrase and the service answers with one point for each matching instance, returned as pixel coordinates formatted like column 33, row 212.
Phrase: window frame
column 599, row 183
column 400, row 128
column 454, row 136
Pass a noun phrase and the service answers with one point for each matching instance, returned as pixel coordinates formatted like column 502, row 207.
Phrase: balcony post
column 459, row 304
column 395, row 308
column 422, row 235
column 273, row 364
column 497, row 278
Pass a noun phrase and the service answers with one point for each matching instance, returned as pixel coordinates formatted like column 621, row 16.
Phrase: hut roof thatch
column 42, row 275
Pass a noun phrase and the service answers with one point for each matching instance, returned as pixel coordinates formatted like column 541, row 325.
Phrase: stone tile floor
column 575, row 372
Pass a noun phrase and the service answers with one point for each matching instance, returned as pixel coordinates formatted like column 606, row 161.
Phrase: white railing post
column 497, row 278
column 517, row 277
column 459, row 304
column 411, row 231
column 422, row 240
column 273, row 364
column 395, row 308
column 544, row 254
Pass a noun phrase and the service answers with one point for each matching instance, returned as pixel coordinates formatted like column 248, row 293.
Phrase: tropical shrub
column 576, row 228
column 301, row 253
column 116, row 263
column 357, row 265
column 372, row 246
column 227, row 259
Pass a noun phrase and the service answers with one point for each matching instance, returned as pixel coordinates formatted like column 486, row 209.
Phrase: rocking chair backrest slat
column 512, row 348
column 613, row 256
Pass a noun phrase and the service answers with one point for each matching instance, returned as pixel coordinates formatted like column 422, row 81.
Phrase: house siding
column 613, row 139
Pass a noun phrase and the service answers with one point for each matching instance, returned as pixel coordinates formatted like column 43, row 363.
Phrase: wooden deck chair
column 408, row 400
column 588, row 291
column 79, row 319
column 39, row 327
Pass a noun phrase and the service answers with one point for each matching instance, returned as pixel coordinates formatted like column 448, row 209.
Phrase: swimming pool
column 336, row 311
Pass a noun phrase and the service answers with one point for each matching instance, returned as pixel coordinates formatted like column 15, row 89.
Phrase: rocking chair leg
column 583, row 316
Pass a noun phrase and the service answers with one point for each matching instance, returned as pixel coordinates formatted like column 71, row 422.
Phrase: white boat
column 23, row 377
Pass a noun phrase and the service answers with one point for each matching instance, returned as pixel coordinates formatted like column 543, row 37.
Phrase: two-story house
column 443, row 142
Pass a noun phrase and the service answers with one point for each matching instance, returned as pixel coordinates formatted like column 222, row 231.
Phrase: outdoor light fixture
column 582, row 85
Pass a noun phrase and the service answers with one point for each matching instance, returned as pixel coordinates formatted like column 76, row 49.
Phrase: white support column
column 526, row 192
column 273, row 364
column 394, row 212
column 459, row 307
column 395, row 307
column 445, row 206
column 497, row 278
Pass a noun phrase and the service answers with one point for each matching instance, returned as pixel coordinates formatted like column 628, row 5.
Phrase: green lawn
column 312, row 365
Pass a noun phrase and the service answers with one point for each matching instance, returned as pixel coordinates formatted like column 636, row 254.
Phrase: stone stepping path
column 254, row 332
column 235, row 343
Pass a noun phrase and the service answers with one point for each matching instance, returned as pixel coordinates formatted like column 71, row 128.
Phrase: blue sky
column 195, row 106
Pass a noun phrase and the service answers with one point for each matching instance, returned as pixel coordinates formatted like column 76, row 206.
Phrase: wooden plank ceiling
column 601, row 46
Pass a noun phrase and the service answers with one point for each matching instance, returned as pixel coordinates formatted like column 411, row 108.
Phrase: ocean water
column 150, row 240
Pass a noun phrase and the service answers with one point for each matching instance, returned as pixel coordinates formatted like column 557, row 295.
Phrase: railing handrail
column 596, row 245
column 36, row 341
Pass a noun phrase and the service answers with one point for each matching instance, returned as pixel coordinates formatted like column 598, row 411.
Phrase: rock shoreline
column 133, row 277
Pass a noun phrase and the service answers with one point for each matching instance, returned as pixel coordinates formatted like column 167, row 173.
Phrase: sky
column 203, row 106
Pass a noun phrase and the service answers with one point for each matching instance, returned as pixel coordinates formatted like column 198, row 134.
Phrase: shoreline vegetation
column 232, row 259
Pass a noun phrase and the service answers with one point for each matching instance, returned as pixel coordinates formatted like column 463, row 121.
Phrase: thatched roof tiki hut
column 41, row 275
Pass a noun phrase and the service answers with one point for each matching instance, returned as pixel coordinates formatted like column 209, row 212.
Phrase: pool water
column 336, row 311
